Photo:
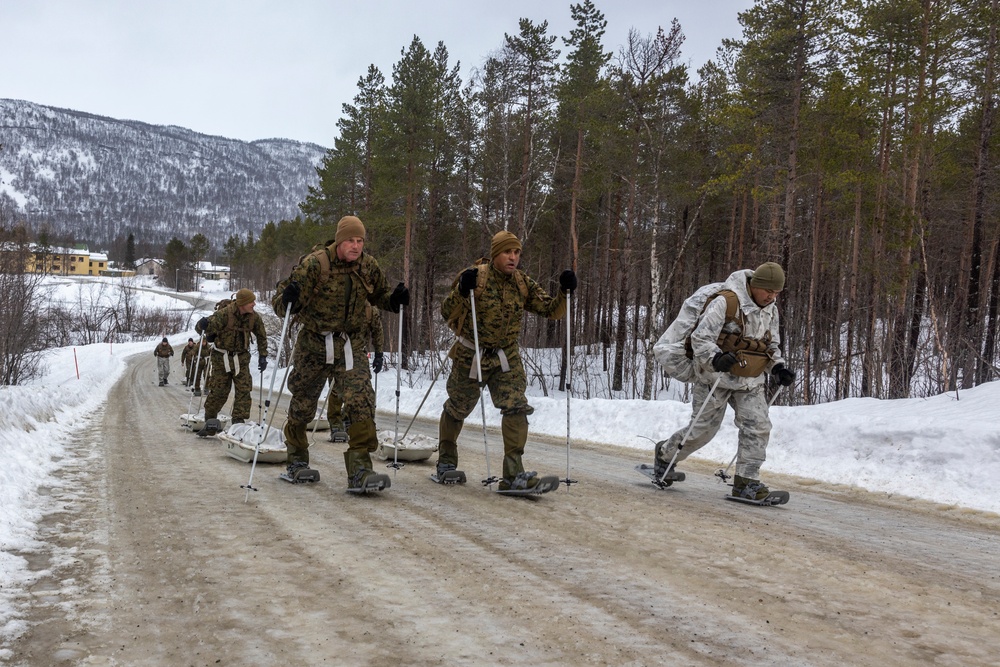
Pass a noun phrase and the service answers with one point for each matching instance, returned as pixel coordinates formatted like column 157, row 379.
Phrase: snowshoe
column 366, row 481
column 754, row 492
column 655, row 475
column 528, row 483
column 299, row 472
column 211, row 427
column 447, row 473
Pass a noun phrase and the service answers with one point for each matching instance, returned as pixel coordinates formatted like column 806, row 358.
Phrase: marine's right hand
column 467, row 281
column 202, row 325
column 290, row 294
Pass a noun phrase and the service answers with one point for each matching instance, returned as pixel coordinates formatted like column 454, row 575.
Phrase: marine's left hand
column 784, row 376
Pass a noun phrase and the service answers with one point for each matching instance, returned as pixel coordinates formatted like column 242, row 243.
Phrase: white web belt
column 331, row 348
column 504, row 364
column 230, row 361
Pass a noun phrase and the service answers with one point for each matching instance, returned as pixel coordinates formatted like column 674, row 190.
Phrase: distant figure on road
column 163, row 352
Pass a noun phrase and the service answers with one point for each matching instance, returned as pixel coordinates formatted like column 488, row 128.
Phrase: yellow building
column 65, row 261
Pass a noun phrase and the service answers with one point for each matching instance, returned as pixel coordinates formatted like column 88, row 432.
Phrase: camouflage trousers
column 162, row 368
column 193, row 379
column 311, row 373
column 752, row 421
column 334, row 403
column 507, row 393
column 220, row 381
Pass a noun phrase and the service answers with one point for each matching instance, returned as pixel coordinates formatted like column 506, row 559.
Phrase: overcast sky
column 255, row 69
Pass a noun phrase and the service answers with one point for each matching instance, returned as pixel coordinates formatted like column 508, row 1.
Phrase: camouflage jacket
column 232, row 330
column 500, row 308
column 375, row 328
column 341, row 303
column 189, row 352
column 163, row 350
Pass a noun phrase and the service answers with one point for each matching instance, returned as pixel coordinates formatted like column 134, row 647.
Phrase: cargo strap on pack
column 752, row 354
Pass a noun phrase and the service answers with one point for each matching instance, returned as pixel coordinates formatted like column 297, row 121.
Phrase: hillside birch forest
column 851, row 141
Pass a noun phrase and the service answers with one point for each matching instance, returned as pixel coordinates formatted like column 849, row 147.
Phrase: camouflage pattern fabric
column 500, row 308
column 220, row 382
column 163, row 350
column 752, row 421
column 162, row 368
column 306, row 382
column 499, row 313
column 235, row 339
column 200, row 367
column 335, row 399
column 339, row 305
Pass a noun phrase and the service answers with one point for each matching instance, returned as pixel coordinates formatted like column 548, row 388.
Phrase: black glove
column 784, row 376
column 399, row 297
column 723, row 361
column 377, row 362
column 567, row 280
column 290, row 294
column 211, row 338
column 467, row 281
column 262, row 364
column 202, row 325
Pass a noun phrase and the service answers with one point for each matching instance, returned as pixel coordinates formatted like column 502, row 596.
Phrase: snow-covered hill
column 99, row 178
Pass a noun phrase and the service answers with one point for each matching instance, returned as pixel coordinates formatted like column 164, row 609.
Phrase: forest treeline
column 851, row 141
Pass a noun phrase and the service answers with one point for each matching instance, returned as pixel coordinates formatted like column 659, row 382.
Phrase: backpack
column 456, row 322
column 674, row 351
column 319, row 251
column 229, row 305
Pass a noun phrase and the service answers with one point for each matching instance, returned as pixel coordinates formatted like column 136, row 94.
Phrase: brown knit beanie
column 244, row 296
column 503, row 241
column 349, row 227
column 769, row 276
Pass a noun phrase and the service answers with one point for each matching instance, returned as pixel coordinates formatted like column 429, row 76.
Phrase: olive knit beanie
column 349, row 227
column 769, row 276
column 244, row 296
column 503, row 241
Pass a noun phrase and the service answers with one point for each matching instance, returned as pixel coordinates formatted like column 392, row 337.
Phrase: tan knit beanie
column 244, row 296
column 769, row 276
column 503, row 241
column 349, row 227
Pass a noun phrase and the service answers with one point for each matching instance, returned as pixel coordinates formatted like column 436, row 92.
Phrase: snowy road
column 156, row 560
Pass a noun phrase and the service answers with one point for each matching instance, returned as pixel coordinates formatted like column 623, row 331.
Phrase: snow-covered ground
column 944, row 449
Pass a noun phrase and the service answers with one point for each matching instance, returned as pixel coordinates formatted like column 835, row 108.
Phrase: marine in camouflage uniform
column 163, row 352
column 200, row 366
column 229, row 328
column 332, row 341
column 188, row 354
column 500, row 306
column 335, row 401
column 756, row 292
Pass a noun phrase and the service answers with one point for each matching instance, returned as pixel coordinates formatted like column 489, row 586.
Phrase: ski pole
column 260, row 398
column 263, row 432
column 723, row 474
column 396, row 465
column 321, row 407
column 569, row 382
column 690, row 428
column 426, row 394
column 479, row 381
column 201, row 342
